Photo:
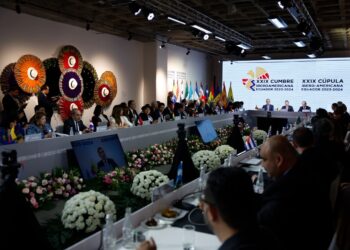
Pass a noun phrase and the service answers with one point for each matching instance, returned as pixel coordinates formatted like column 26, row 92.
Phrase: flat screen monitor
column 103, row 153
column 206, row 130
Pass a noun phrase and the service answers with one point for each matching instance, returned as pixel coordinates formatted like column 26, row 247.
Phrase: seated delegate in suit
column 75, row 123
column 105, row 164
column 287, row 107
column 40, row 126
column 268, row 106
column 304, row 107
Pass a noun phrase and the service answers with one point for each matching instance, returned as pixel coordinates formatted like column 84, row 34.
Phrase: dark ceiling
column 234, row 20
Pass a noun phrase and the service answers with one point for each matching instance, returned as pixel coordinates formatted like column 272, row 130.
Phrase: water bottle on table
column 128, row 241
column 109, row 234
column 259, row 184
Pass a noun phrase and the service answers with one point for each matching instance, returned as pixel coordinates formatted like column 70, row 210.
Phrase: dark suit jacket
column 133, row 117
column 10, row 106
column 46, row 103
column 168, row 114
column 111, row 165
column 69, row 123
column 271, row 108
column 306, row 108
column 290, row 108
column 289, row 209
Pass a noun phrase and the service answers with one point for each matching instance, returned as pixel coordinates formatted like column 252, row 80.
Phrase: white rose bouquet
column 86, row 211
column 224, row 151
column 144, row 183
column 207, row 158
column 260, row 136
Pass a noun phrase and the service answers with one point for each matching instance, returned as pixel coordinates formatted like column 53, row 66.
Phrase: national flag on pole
column 230, row 94
column 186, row 91
column 223, row 96
column 217, row 89
column 177, row 91
column 182, row 93
column 249, row 143
column 190, row 92
column 174, row 90
column 211, row 94
column 206, row 92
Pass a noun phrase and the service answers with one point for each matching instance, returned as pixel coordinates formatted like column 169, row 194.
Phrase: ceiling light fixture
column 220, row 38
column 130, row 36
column 176, row 20
column 87, row 27
column 304, row 27
column 243, row 46
column 311, row 55
column 280, row 4
column 201, row 29
column 135, row 8
column 149, row 14
column 266, row 57
column 278, row 22
column 188, row 51
column 18, row 9
column 205, row 37
column 300, row 44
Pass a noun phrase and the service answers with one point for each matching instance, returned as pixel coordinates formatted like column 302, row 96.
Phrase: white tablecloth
column 170, row 238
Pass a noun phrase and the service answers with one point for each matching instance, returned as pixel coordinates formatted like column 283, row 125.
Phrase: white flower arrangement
column 259, row 135
column 144, row 183
column 87, row 211
column 206, row 158
column 224, row 151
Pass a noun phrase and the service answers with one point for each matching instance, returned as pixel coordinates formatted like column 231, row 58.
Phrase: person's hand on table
column 148, row 245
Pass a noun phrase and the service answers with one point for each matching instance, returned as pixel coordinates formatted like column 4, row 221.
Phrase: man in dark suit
column 304, row 107
column 105, row 164
column 268, row 106
column 289, row 207
column 12, row 108
column 287, row 107
column 168, row 112
column 75, row 123
column 45, row 102
column 132, row 114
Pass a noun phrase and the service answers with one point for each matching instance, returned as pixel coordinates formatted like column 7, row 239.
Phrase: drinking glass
column 188, row 237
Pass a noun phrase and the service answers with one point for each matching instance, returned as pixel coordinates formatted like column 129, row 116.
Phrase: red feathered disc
column 103, row 93
column 70, row 58
column 65, row 107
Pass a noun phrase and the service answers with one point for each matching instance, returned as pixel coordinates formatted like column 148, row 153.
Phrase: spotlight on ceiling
column 149, row 14
column 316, row 43
column 299, row 44
column 129, row 36
column 230, row 46
column 196, row 33
column 188, row 51
column 18, row 9
column 87, row 26
column 231, row 62
column 284, row 4
column 205, row 37
column 304, row 27
column 266, row 57
column 278, row 22
column 219, row 61
column 162, row 45
column 135, row 8
column 312, row 55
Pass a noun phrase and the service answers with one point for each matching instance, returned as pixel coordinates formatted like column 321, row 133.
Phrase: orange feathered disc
column 110, row 77
column 30, row 73
column 70, row 58
column 103, row 93
column 65, row 107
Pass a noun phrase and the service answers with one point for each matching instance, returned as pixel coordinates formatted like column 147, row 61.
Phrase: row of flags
column 216, row 93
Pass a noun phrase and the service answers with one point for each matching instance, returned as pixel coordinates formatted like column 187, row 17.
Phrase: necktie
column 77, row 127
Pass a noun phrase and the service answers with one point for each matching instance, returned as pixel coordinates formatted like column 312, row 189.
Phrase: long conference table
column 43, row 155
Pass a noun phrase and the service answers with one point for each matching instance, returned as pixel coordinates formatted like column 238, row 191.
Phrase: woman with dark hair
column 125, row 121
column 115, row 119
column 40, row 126
column 7, row 131
column 145, row 114
column 99, row 117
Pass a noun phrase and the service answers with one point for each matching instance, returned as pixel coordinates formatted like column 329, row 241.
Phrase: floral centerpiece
column 224, row 151
column 66, row 183
column 206, row 158
column 224, row 133
column 114, row 179
column 159, row 154
column 35, row 191
column 260, row 136
column 86, row 211
column 144, row 183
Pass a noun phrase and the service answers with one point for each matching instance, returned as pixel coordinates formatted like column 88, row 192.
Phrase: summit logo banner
column 254, row 77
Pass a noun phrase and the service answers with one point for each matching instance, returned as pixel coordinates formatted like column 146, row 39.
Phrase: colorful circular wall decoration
column 103, row 93
column 69, row 57
column 30, row 73
column 7, row 79
column 53, row 74
column 90, row 79
column 110, row 77
column 71, row 85
column 65, row 107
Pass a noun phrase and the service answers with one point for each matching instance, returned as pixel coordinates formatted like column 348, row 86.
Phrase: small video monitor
column 206, row 130
column 103, row 153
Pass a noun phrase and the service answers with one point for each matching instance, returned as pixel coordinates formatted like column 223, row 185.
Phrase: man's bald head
column 278, row 155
